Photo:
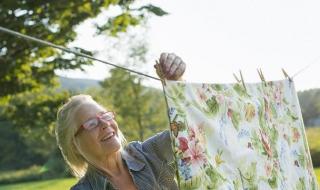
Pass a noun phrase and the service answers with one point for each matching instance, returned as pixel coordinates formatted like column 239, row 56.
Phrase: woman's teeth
column 108, row 136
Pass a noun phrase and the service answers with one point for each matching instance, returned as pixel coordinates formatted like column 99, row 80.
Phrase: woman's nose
column 105, row 124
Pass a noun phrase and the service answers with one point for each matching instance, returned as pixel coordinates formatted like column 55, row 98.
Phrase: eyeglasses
column 105, row 117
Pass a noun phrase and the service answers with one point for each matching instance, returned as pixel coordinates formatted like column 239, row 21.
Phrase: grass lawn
column 61, row 184
column 317, row 170
column 65, row 184
column 313, row 138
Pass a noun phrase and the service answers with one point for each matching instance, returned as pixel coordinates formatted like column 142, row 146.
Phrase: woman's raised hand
column 170, row 66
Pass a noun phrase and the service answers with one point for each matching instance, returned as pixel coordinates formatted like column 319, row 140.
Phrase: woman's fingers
column 174, row 66
column 168, row 62
column 180, row 70
column 163, row 57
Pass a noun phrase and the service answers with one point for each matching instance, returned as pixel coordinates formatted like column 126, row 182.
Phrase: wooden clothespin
column 237, row 79
column 261, row 76
column 286, row 75
column 243, row 84
column 240, row 81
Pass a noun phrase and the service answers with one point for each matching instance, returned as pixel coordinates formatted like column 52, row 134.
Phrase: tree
column 25, row 66
column 31, row 117
column 141, row 110
column 310, row 105
column 28, row 98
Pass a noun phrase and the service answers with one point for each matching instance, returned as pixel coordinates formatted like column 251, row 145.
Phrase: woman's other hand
column 170, row 66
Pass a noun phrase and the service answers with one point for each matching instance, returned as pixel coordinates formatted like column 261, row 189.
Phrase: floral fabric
column 227, row 136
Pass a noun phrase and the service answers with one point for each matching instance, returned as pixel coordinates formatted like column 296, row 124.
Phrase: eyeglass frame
column 98, row 117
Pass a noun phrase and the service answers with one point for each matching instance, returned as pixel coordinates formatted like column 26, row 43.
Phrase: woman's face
column 99, row 142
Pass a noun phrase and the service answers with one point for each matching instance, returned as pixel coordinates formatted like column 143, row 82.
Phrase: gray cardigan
column 151, row 163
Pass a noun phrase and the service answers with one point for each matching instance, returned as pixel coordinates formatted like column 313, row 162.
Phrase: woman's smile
column 108, row 136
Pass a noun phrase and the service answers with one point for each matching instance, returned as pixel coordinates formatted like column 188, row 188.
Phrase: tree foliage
column 141, row 110
column 25, row 65
column 310, row 106
column 28, row 96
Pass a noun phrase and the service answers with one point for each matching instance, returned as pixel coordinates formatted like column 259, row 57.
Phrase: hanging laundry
column 227, row 136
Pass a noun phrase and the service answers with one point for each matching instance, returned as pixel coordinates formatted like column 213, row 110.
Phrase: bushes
column 53, row 168
column 29, row 174
column 313, row 135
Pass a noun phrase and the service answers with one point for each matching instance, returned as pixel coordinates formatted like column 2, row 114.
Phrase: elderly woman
column 95, row 150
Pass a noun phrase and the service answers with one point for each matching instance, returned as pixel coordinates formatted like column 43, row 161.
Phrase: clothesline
column 306, row 67
column 18, row 34
column 43, row 42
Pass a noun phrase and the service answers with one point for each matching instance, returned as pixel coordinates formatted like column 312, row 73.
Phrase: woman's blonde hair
column 65, row 131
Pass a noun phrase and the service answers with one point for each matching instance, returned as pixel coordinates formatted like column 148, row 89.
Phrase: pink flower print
column 201, row 128
column 229, row 113
column 191, row 134
column 201, row 95
column 201, row 133
column 296, row 135
column 268, row 168
column 266, row 143
column 197, row 155
column 183, row 144
column 278, row 95
column 276, row 163
column 220, row 98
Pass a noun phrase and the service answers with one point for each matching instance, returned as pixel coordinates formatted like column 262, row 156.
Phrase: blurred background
column 214, row 38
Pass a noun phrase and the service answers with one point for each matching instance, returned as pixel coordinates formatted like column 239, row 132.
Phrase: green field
column 54, row 184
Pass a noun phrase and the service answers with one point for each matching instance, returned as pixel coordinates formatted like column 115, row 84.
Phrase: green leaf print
column 240, row 90
column 292, row 115
column 249, row 177
column 273, row 111
column 177, row 93
column 192, row 184
column 273, row 180
column 262, row 121
column 235, row 118
column 236, row 184
column 302, row 160
column 301, row 184
column 274, row 136
column 256, row 142
column 216, row 179
column 213, row 105
column 217, row 87
column 249, row 112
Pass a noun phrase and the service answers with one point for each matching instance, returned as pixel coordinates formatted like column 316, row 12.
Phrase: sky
column 218, row 38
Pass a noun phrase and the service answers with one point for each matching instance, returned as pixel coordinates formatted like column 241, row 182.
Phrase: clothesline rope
column 306, row 67
column 43, row 42
column 27, row 37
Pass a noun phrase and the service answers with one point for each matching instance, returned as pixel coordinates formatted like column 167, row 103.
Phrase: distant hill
column 74, row 84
